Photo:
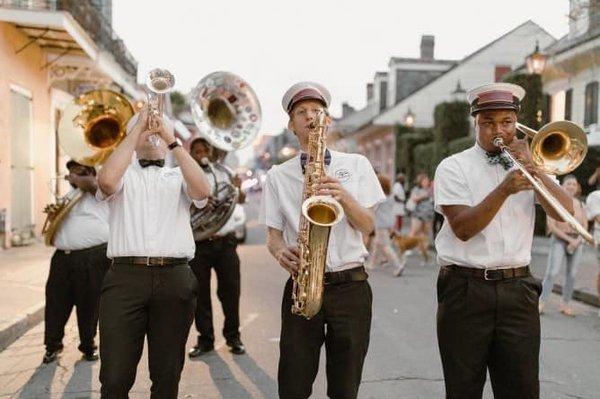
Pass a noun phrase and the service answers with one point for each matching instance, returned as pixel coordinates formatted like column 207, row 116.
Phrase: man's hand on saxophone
column 286, row 255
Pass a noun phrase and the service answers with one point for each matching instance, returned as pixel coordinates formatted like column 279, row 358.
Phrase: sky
column 273, row 44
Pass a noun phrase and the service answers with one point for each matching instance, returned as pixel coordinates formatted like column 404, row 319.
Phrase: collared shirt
column 466, row 178
column 282, row 201
column 150, row 214
column 221, row 176
column 85, row 226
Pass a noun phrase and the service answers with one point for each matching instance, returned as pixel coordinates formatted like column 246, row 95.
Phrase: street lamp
column 536, row 61
column 409, row 118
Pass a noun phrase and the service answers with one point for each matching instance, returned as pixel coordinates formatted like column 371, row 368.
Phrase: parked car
column 239, row 218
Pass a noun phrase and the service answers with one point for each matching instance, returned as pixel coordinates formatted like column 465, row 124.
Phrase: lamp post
column 459, row 93
column 536, row 61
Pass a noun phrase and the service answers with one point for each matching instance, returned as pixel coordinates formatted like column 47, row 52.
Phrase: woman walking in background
column 565, row 248
column 384, row 225
column 420, row 204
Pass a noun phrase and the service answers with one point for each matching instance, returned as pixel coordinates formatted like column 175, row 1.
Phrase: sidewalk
column 23, row 273
column 585, row 279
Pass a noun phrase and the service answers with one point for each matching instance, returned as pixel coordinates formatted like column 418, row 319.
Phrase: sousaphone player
column 227, row 113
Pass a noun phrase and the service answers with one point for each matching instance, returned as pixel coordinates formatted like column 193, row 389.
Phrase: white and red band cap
column 495, row 96
column 305, row 91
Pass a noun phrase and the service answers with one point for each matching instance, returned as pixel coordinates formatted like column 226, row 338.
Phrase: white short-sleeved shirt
column 399, row 193
column 150, row 214
column 282, row 200
column 85, row 226
column 467, row 178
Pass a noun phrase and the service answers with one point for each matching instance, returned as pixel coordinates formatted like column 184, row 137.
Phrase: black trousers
column 343, row 324
column 220, row 255
column 75, row 279
column 489, row 325
column 138, row 301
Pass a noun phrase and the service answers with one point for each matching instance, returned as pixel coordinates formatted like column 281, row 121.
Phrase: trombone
column 557, row 148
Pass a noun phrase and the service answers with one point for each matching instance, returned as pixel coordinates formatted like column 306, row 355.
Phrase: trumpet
column 159, row 82
column 557, row 148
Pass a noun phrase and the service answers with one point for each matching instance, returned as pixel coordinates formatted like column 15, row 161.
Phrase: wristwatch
column 174, row 144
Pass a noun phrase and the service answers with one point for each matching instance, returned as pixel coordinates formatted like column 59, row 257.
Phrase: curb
column 20, row 325
column 578, row 295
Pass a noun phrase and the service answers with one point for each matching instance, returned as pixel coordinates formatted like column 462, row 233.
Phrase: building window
column 500, row 71
column 382, row 96
column 591, row 104
column 568, row 104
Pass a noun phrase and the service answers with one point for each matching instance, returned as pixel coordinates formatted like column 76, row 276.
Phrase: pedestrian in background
column 565, row 249
column 399, row 199
column 592, row 207
column 420, row 205
column 384, row 225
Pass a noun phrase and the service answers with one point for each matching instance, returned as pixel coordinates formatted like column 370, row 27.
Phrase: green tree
column 179, row 103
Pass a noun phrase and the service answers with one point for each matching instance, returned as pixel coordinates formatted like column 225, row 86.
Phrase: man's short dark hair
column 199, row 140
column 71, row 163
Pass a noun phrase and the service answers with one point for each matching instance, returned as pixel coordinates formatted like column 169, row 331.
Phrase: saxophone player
column 149, row 289
column 218, row 252
column 344, row 320
column 77, row 266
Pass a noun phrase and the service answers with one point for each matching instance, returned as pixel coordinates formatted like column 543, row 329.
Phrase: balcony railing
column 91, row 19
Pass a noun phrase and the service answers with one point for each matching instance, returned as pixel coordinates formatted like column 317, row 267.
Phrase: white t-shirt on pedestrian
column 282, row 200
column 399, row 196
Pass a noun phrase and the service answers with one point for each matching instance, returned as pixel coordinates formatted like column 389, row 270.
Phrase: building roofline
column 465, row 59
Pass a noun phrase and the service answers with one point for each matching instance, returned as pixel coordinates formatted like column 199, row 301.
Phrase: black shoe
column 236, row 347
column 51, row 356
column 200, row 350
column 90, row 357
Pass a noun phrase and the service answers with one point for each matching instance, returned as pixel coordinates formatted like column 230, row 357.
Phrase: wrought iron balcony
column 91, row 19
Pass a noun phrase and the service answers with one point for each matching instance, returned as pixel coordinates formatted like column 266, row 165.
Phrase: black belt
column 148, row 261
column 346, row 276
column 490, row 274
column 217, row 238
column 77, row 251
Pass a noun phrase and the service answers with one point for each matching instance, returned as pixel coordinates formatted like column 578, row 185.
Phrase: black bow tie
column 144, row 163
column 304, row 159
column 500, row 158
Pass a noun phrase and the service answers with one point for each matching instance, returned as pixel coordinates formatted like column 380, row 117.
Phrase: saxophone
column 319, row 213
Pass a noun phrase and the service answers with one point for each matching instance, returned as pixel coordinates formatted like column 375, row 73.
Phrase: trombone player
column 487, row 317
column 149, row 289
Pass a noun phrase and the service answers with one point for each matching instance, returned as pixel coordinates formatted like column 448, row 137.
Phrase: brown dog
column 405, row 243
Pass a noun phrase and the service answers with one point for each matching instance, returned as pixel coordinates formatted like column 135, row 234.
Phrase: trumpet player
column 149, row 290
column 344, row 321
column 487, row 317
column 218, row 252
column 77, row 266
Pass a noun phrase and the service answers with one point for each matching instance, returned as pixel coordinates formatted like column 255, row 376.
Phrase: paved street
column 403, row 360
